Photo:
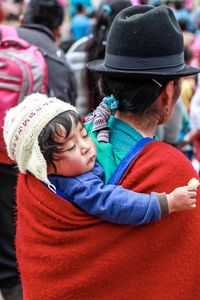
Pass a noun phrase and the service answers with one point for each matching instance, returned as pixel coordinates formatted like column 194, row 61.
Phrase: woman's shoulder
column 162, row 151
column 158, row 167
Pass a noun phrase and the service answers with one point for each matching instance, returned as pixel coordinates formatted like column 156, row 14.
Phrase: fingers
column 192, row 205
column 193, row 202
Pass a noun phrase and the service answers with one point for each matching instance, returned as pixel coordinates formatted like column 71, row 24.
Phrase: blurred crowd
column 82, row 38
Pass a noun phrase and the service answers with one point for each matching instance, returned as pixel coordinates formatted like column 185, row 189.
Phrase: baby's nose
column 84, row 147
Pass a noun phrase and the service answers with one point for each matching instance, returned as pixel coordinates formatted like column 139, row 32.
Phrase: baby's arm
column 118, row 205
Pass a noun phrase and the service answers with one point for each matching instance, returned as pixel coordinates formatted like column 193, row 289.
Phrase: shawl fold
column 63, row 253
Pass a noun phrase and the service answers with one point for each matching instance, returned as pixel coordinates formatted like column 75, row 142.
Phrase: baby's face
column 78, row 154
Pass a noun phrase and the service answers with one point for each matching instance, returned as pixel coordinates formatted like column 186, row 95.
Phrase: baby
column 46, row 137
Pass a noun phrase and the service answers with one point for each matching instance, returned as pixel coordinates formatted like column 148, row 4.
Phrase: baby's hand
column 182, row 198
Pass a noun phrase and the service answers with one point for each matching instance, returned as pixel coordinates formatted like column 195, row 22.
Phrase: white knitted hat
column 22, row 127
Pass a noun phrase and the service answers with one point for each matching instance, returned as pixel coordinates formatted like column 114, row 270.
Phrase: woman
column 63, row 253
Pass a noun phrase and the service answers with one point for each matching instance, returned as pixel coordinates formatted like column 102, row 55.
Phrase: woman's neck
column 142, row 123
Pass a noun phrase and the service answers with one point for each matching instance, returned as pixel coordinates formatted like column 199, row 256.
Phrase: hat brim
column 99, row 67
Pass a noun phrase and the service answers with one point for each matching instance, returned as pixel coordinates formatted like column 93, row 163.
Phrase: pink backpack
column 23, row 71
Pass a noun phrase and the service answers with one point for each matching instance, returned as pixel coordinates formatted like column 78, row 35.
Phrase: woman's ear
column 166, row 102
column 168, row 92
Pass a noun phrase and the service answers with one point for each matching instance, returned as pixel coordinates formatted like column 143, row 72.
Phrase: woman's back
column 94, row 259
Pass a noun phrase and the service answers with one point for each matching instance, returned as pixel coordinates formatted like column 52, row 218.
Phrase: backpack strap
column 10, row 37
column 125, row 162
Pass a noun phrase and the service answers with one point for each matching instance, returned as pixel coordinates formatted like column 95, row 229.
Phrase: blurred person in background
column 89, row 48
column 95, row 47
column 188, row 37
column 193, row 135
column 73, row 4
column 12, row 9
column 80, row 23
column 41, row 26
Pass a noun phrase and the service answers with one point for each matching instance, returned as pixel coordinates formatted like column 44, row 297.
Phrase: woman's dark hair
column 95, row 47
column 135, row 96
column 49, row 147
column 44, row 12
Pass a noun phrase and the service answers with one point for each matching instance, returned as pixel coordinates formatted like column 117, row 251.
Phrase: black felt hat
column 144, row 42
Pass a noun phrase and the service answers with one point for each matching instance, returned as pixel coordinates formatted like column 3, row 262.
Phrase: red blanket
column 64, row 253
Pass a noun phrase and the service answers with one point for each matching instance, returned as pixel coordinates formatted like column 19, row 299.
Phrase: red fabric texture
column 64, row 253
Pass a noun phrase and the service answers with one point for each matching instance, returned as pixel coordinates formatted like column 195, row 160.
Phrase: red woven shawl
column 64, row 253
